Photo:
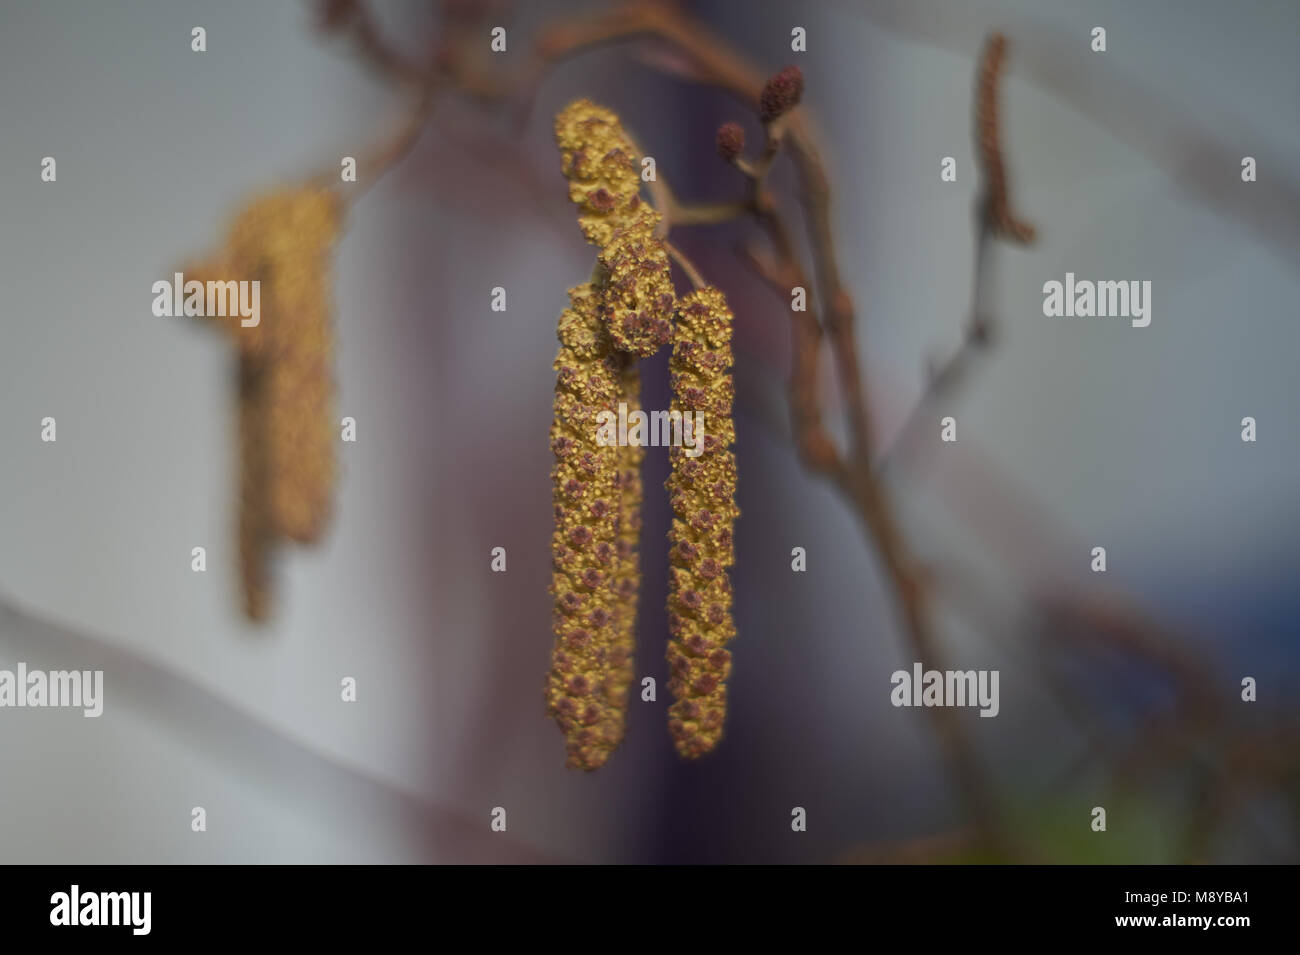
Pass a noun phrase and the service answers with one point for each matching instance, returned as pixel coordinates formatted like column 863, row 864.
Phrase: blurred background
column 1119, row 690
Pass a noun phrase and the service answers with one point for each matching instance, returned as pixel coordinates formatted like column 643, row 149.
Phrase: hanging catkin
column 286, row 239
column 600, row 162
column 283, row 241
column 590, row 665
column 702, row 494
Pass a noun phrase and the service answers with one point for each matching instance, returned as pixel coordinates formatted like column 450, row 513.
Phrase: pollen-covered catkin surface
column 586, row 689
column 702, row 494
column 638, row 300
column 600, row 162
column 286, row 240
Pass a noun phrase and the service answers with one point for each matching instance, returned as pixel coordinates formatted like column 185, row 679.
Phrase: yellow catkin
column 638, row 300
column 600, row 163
column 702, row 494
column 599, row 160
column 586, row 689
column 284, row 240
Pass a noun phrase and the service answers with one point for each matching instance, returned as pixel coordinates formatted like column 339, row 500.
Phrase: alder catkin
column 599, row 160
column 586, row 690
column 702, row 494
column 284, row 241
column 638, row 299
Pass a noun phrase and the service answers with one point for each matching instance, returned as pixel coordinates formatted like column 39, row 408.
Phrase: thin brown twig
column 993, row 219
column 371, row 169
column 988, row 121
column 706, row 213
column 353, row 18
column 686, row 265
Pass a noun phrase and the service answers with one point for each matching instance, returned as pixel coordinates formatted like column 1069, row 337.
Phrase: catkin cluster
column 591, row 660
column 625, row 313
column 283, row 240
column 702, row 494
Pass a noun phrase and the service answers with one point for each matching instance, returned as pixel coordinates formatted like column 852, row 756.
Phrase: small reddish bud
column 731, row 141
column 781, row 94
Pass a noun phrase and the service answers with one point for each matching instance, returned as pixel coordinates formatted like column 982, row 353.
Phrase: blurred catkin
column 590, row 663
column 1001, row 220
column 600, row 162
column 284, row 240
column 255, row 534
column 702, row 495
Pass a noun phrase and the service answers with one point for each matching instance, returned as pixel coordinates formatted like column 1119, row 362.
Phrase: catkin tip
column 599, row 160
